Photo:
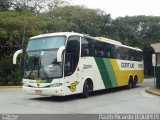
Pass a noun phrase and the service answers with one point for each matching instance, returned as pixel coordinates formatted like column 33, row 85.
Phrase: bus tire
column 130, row 83
column 86, row 89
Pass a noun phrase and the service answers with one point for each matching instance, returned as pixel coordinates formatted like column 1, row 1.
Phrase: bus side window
column 99, row 49
column 118, row 52
column 139, row 56
column 108, row 54
column 124, row 53
column 107, row 51
column 131, row 54
column 118, row 56
column 87, row 47
column 113, row 51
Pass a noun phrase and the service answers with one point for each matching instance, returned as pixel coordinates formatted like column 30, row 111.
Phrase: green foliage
column 77, row 19
column 137, row 30
column 15, row 30
column 3, row 33
column 8, row 71
column 5, row 5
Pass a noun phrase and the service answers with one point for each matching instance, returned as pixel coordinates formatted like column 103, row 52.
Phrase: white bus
column 66, row 63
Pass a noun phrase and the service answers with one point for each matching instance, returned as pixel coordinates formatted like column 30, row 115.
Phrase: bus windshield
column 40, row 59
column 46, row 43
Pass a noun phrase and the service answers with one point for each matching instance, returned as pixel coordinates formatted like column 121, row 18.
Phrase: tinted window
column 139, row 56
column 122, row 53
column 87, row 47
column 109, row 50
column 119, row 52
column 132, row 54
column 99, row 49
column 128, row 54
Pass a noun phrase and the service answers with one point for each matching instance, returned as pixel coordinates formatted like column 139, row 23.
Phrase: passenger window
column 118, row 52
column 99, row 49
column 139, row 56
column 113, row 51
column 109, row 51
column 87, row 47
column 132, row 54
column 122, row 53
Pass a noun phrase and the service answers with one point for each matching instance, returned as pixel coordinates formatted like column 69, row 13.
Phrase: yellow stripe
column 38, row 81
column 118, row 73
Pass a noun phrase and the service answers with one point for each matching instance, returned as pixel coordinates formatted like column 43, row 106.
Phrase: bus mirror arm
column 59, row 53
column 16, row 55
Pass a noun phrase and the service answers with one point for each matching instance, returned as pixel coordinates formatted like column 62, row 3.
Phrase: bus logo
column 127, row 65
column 73, row 86
column 38, row 82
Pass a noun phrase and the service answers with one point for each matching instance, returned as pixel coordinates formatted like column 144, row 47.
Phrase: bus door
column 71, row 70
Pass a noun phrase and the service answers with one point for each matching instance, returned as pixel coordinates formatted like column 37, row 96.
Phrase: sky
column 121, row 8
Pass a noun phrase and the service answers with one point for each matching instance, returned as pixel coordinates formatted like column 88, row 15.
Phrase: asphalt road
column 119, row 100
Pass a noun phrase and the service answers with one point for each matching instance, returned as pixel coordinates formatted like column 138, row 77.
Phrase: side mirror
column 16, row 55
column 154, row 60
column 59, row 53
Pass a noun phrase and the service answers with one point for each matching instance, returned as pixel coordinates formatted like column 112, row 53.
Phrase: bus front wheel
column 86, row 87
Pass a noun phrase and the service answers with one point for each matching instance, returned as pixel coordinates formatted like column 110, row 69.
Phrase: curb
column 153, row 92
column 10, row 87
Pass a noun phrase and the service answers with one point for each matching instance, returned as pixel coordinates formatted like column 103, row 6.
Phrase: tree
column 13, row 37
column 77, row 19
column 5, row 5
column 12, row 26
column 36, row 6
column 141, row 29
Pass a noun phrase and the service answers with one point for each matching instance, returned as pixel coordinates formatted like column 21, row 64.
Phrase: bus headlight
column 56, row 85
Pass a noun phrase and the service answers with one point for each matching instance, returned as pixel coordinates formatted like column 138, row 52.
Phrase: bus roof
column 107, row 40
column 103, row 39
column 56, row 34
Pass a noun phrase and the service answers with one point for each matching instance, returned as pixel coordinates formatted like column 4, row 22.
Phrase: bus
column 66, row 63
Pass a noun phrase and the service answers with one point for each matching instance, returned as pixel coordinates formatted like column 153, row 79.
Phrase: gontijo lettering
column 127, row 65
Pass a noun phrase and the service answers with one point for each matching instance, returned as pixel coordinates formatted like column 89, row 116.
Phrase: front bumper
column 52, row 91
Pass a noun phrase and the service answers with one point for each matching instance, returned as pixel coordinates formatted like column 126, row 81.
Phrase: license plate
column 38, row 91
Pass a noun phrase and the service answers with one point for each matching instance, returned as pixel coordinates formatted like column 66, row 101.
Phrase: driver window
column 72, row 55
